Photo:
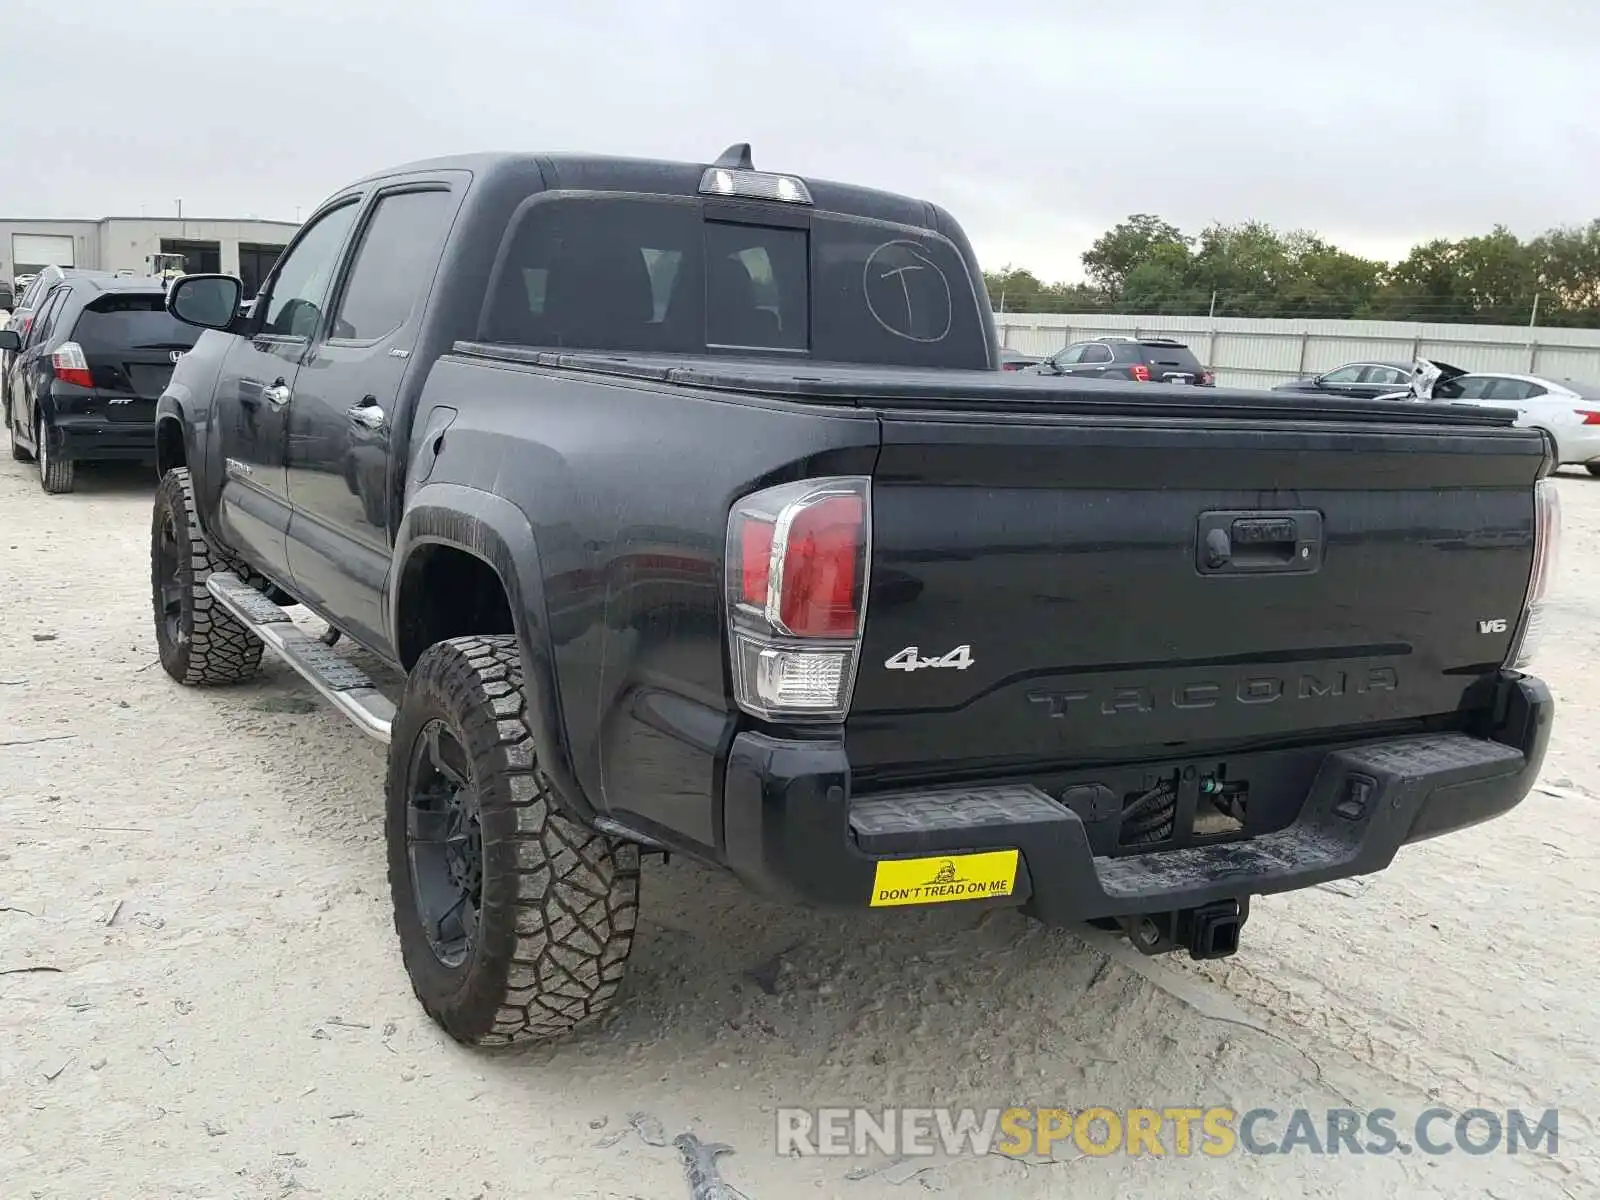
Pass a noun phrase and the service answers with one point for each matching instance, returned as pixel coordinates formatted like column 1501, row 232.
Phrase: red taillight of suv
column 797, row 560
column 1139, row 373
column 1207, row 379
column 71, row 366
column 1589, row 415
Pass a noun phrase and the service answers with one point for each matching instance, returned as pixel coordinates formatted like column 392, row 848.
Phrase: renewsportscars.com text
column 1173, row 1131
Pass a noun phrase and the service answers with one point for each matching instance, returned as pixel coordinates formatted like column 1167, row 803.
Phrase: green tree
column 1498, row 276
column 1129, row 244
column 1247, row 266
column 1568, row 264
column 1160, row 283
column 1147, row 264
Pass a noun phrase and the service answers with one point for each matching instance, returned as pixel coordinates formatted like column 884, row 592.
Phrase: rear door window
column 399, row 248
column 621, row 273
column 1388, row 376
column 45, row 320
column 1466, row 387
column 1506, row 389
column 122, row 321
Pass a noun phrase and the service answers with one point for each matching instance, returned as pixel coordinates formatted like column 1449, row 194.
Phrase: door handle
column 277, row 395
column 368, row 415
column 1244, row 542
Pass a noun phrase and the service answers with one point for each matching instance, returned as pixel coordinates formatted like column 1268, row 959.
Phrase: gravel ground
column 202, row 996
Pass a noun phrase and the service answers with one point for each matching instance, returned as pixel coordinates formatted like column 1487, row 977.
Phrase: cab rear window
column 662, row 275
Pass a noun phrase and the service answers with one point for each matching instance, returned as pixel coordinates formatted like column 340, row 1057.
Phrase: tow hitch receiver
column 1209, row 931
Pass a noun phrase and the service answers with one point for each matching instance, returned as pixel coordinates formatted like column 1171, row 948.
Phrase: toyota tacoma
column 687, row 509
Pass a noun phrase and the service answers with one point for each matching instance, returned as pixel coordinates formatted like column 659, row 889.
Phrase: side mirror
column 209, row 301
column 10, row 340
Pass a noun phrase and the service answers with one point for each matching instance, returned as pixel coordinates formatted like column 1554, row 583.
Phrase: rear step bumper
column 793, row 831
column 342, row 684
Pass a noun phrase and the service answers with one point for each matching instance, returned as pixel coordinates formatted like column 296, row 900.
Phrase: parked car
column 31, row 297
column 8, row 297
column 1015, row 360
column 88, row 373
column 1569, row 412
column 30, row 289
column 707, row 525
column 1364, row 380
column 1142, row 360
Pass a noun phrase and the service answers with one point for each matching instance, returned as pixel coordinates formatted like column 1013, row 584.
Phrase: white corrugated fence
column 1259, row 352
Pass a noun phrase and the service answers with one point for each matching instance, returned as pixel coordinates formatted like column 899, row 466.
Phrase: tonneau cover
column 903, row 387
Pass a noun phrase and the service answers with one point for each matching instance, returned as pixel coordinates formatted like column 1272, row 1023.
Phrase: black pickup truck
column 693, row 513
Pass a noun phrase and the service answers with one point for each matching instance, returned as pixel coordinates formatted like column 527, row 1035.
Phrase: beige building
column 243, row 248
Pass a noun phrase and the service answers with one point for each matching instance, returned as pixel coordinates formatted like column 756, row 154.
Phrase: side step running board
column 344, row 685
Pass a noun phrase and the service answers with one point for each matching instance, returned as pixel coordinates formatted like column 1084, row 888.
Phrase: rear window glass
column 1170, row 356
column 611, row 273
column 131, row 321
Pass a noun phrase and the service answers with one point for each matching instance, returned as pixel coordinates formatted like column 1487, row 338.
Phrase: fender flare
column 169, row 410
column 498, row 533
column 176, row 406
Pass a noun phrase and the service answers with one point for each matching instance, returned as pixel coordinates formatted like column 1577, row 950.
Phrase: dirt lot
column 202, row 996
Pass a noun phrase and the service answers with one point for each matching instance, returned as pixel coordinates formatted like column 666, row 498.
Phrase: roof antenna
column 736, row 157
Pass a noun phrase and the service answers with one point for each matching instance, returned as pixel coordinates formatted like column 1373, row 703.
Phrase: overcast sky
column 1038, row 123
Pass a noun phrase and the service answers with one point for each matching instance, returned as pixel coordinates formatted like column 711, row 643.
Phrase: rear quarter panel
column 626, row 488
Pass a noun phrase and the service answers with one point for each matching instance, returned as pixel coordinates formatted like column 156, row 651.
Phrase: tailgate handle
column 1258, row 543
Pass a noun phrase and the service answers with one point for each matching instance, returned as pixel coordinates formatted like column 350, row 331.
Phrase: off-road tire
column 558, row 901
column 55, row 473
column 212, row 646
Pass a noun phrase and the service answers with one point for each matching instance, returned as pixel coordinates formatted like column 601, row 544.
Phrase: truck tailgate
column 1051, row 588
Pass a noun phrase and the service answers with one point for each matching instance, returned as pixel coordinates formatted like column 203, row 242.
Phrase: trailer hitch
column 1207, row 931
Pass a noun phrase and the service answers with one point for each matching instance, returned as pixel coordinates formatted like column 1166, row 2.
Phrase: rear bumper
column 81, row 437
column 792, row 830
column 1580, row 446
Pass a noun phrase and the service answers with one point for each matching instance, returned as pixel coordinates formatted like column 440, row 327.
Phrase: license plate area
column 149, row 380
column 1188, row 802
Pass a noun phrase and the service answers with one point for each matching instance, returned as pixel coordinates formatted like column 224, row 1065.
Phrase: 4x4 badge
column 910, row 659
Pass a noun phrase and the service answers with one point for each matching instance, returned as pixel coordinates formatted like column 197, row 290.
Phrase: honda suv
column 1140, row 360
column 88, row 371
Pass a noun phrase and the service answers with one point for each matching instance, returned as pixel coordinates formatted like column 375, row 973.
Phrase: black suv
column 87, row 372
column 1139, row 360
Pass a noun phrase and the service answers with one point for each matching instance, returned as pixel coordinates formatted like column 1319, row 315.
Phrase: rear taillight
column 1590, row 417
column 797, row 559
column 71, row 366
column 27, row 324
column 1139, row 373
column 1546, row 543
column 1207, row 379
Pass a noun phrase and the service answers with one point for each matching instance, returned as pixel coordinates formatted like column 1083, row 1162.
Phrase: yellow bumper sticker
column 944, row 878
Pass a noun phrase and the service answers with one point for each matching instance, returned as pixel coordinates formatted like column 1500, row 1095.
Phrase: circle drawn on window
column 907, row 293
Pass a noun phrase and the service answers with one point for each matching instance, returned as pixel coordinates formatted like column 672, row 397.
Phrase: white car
column 1569, row 412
